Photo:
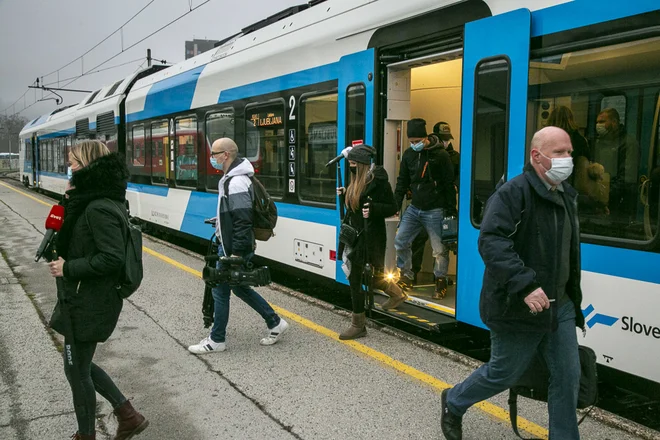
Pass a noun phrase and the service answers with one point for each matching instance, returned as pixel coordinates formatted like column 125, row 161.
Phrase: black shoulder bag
column 534, row 384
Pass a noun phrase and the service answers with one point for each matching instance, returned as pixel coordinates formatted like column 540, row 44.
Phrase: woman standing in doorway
column 369, row 200
column 91, row 258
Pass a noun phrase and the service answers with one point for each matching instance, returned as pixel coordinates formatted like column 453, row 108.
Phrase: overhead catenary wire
column 100, row 42
column 139, row 41
column 94, row 69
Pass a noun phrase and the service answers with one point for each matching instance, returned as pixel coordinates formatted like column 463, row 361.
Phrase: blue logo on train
column 598, row 318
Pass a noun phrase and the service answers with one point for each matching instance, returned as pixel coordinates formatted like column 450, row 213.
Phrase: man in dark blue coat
column 531, row 297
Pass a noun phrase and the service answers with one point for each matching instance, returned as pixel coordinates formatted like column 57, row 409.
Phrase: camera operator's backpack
column 264, row 211
column 133, row 270
column 534, row 384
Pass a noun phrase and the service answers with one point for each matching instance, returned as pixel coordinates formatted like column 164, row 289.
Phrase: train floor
column 310, row 385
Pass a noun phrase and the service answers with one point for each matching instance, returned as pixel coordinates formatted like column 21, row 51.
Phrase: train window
column 218, row 125
column 185, row 147
column 490, row 132
column 318, row 146
column 111, row 142
column 42, row 155
column 137, row 146
column 52, row 145
column 356, row 104
column 62, row 156
column 268, row 150
column 160, row 145
column 612, row 120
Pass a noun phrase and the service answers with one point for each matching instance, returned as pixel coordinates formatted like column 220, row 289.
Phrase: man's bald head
column 225, row 144
column 547, row 144
column 548, row 137
column 224, row 150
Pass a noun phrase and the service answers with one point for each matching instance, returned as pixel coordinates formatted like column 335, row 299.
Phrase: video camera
column 235, row 272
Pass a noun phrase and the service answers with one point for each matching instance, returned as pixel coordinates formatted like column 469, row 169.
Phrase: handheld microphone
column 335, row 160
column 53, row 225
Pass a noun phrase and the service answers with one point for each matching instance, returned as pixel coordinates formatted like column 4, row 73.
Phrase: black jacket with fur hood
column 92, row 242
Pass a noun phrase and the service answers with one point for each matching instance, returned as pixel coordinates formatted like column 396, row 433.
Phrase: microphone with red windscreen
column 53, row 225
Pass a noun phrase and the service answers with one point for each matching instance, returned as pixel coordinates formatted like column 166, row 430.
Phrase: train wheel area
column 309, row 385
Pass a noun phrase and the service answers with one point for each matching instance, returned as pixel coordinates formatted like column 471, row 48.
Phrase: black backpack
column 534, row 384
column 264, row 211
column 133, row 269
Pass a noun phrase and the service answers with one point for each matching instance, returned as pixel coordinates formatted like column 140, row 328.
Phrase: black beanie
column 417, row 128
column 361, row 154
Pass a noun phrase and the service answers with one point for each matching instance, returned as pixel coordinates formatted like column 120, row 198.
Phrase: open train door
column 495, row 81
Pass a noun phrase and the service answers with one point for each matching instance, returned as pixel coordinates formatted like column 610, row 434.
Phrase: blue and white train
column 296, row 88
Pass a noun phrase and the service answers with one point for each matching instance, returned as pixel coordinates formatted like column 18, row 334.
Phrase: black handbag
column 348, row 235
column 534, row 384
column 449, row 228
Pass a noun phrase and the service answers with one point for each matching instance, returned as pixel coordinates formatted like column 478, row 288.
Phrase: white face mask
column 601, row 129
column 560, row 170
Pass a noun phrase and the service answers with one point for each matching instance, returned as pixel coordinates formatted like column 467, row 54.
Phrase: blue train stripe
column 171, row 95
column 581, row 13
column 56, row 134
column 314, row 75
column 154, row 190
column 618, row 262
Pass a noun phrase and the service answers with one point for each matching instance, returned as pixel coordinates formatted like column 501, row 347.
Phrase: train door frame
column 430, row 34
column 504, row 37
column 399, row 97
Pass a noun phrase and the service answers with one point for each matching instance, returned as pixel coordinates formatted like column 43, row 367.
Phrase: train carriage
column 296, row 88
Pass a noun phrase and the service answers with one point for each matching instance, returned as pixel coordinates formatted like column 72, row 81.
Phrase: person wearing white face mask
column 426, row 170
column 531, row 298
column 236, row 238
column 618, row 152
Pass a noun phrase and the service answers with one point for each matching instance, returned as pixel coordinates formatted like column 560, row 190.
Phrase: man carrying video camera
column 236, row 238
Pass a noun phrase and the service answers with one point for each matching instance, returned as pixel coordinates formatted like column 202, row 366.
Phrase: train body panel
column 622, row 324
column 294, row 93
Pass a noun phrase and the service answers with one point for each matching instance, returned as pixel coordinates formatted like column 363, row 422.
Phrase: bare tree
column 10, row 127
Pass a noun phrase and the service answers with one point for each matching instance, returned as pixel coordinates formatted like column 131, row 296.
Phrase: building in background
column 195, row 47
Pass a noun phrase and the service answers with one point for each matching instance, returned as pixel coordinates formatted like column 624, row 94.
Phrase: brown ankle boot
column 131, row 422
column 397, row 296
column 78, row 436
column 357, row 328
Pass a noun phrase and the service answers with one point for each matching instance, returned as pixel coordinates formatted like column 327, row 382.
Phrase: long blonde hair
column 359, row 182
column 88, row 151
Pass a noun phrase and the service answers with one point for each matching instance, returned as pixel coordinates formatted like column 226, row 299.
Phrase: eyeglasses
column 217, row 152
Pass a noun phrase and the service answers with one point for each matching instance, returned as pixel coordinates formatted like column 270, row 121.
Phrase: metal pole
column 148, row 57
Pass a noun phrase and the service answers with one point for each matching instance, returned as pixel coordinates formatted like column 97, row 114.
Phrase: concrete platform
column 308, row 386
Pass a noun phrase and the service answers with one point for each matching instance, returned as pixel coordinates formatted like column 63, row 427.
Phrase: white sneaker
column 275, row 333
column 207, row 345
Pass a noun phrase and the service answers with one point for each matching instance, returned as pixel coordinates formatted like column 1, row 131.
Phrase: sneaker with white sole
column 275, row 333
column 207, row 345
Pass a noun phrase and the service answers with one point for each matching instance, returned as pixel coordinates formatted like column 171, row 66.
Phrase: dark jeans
column 511, row 353
column 221, row 296
column 92, row 379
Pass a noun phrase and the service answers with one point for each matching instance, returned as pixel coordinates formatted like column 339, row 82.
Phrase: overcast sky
column 40, row 36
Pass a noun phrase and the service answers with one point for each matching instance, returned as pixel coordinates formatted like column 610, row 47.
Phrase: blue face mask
column 215, row 164
column 69, row 173
column 419, row 146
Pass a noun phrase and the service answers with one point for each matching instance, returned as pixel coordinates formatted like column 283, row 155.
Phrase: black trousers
column 91, row 379
column 418, row 245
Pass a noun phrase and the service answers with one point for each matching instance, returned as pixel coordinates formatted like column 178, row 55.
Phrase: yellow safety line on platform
column 487, row 407
column 26, row 194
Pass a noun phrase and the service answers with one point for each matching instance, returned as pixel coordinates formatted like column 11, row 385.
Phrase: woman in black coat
column 369, row 200
column 91, row 248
